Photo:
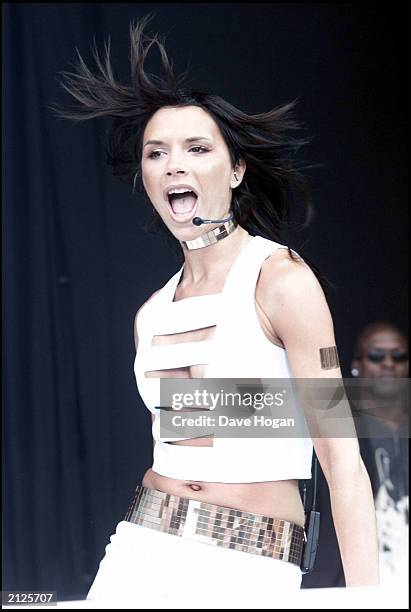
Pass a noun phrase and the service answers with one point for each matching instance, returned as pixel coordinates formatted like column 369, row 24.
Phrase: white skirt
column 150, row 568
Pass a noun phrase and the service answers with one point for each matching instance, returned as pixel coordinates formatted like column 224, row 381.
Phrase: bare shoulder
column 288, row 290
column 137, row 313
column 282, row 275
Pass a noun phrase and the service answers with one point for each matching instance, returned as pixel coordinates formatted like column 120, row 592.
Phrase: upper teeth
column 182, row 190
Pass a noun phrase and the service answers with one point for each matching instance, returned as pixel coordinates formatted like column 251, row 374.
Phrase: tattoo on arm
column 329, row 358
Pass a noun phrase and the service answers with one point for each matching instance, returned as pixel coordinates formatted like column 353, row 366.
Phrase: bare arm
column 296, row 308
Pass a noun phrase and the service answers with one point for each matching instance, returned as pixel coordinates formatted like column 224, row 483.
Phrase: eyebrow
column 191, row 139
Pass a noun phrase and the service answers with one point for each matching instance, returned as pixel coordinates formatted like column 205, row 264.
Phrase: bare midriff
column 278, row 499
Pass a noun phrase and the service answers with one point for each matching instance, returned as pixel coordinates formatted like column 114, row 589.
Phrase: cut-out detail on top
column 169, row 356
column 238, row 352
column 192, row 370
column 191, row 335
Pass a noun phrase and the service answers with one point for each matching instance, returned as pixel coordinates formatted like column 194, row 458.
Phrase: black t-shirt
column 385, row 455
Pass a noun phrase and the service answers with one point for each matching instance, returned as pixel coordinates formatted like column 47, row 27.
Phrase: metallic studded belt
column 217, row 525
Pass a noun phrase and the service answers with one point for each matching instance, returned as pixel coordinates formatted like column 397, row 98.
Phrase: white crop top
column 239, row 349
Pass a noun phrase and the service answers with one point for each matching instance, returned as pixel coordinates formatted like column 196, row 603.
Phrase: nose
column 176, row 164
column 176, row 170
column 388, row 362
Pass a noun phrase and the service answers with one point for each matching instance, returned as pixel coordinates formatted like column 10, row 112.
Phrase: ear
column 240, row 168
column 355, row 364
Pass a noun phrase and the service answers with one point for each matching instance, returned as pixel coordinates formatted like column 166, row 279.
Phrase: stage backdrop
column 77, row 263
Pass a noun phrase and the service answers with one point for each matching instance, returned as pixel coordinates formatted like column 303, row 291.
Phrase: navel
column 195, row 487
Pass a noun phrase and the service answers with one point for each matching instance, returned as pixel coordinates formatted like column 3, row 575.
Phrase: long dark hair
column 265, row 141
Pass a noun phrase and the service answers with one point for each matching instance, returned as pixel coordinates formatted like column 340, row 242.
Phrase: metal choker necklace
column 214, row 235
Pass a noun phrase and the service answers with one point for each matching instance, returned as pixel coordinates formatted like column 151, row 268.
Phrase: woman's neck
column 215, row 259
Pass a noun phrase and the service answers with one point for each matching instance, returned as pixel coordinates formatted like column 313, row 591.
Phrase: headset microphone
column 200, row 221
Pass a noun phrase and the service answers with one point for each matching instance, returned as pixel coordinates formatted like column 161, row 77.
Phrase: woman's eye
column 199, row 147
column 153, row 155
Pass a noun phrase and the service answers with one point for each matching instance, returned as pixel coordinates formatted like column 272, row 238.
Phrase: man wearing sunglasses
column 381, row 359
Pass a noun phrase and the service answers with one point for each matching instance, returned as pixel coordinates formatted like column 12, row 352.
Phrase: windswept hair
column 265, row 141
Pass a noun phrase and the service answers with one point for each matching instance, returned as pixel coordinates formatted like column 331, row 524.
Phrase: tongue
column 183, row 205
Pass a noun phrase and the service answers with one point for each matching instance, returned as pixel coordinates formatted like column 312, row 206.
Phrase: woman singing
column 221, row 515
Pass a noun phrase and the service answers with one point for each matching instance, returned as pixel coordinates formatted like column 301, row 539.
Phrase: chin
column 388, row 387
column 186, row 233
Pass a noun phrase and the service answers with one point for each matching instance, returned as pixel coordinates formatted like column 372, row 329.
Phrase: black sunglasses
column 379, row 356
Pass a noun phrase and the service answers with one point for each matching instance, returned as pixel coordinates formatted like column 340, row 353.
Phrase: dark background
column 77, row 263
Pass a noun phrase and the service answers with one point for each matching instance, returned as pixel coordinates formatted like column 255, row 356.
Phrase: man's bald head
column 373, row 329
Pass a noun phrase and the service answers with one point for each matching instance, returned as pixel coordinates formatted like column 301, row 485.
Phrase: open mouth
column 182, row 203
